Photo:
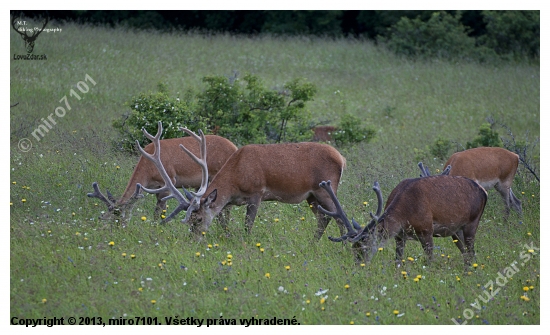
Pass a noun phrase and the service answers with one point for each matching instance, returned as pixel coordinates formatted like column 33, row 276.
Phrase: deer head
column 114, row 212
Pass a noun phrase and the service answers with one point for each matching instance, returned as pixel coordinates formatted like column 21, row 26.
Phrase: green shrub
column 420, row 155
column 146, row 109
column 514, row 33
column 246, row 112
column 487, row 137
column 440, row 148
column 442, row 35
column 350, row 130
column 243, row 111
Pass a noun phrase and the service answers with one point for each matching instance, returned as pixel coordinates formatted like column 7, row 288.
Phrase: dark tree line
column 502, row 31
column 319, row 22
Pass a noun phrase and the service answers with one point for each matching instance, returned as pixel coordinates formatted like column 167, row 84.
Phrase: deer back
column 178, row 165
column 486, row 165
column 444, row 202
column 286, row 172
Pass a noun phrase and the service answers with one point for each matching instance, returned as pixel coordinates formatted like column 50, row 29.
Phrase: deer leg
column 469, row 236
column 399, row 248
column 427, row 244
column 505, row 193
column 161, row 205
column 322, row 219
column 516, row 203
column 223, row 219
column 459, row 238
column 251, row 210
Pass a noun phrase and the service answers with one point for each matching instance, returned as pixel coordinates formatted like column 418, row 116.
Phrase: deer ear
column 211, row 198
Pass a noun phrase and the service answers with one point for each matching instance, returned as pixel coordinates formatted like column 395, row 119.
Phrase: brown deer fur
column 183, row 171
column 288, row 173
column 490, row 167
column 420, row 209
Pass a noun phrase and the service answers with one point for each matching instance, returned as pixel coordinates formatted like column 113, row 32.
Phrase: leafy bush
column 350, row 130
column 515, row 33
column 147, row 109
column 487, row 137
column 243, row 111
column 442, row 35
column 440, row 148
column 246, row 112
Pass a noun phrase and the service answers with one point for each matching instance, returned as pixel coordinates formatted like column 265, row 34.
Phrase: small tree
column 487, row 137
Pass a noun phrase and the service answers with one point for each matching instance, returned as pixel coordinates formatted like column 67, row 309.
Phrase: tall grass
column 61, row 252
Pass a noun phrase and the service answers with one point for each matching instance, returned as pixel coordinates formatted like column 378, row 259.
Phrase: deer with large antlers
column 29, row 39
column 490, row 167
column 180, row 169
column 288, row 173
column 418, row 209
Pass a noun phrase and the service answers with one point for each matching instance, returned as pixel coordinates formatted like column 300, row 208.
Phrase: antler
column 97, row 194
column 168, row 184
column 338, row 214
column 110, row 200
column 196, row 196
column 424, row 170
column 375, row 218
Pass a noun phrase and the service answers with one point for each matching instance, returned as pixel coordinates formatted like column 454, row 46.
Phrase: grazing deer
column 180, row 169
column 288, row 173
column 490, row 167
column 417, row 209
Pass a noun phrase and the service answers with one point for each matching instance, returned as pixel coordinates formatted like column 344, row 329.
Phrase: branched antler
column 194, row 198
column 375, row 217
column 338, row 214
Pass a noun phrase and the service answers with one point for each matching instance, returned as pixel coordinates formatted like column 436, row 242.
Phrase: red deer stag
column 418, row 209
column 180, row 169
column 490, row 167
column 288, row 173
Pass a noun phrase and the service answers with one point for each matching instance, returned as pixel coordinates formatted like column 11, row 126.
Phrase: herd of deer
column 450, row 204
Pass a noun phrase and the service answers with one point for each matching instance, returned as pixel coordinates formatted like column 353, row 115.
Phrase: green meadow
column 65, row 262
